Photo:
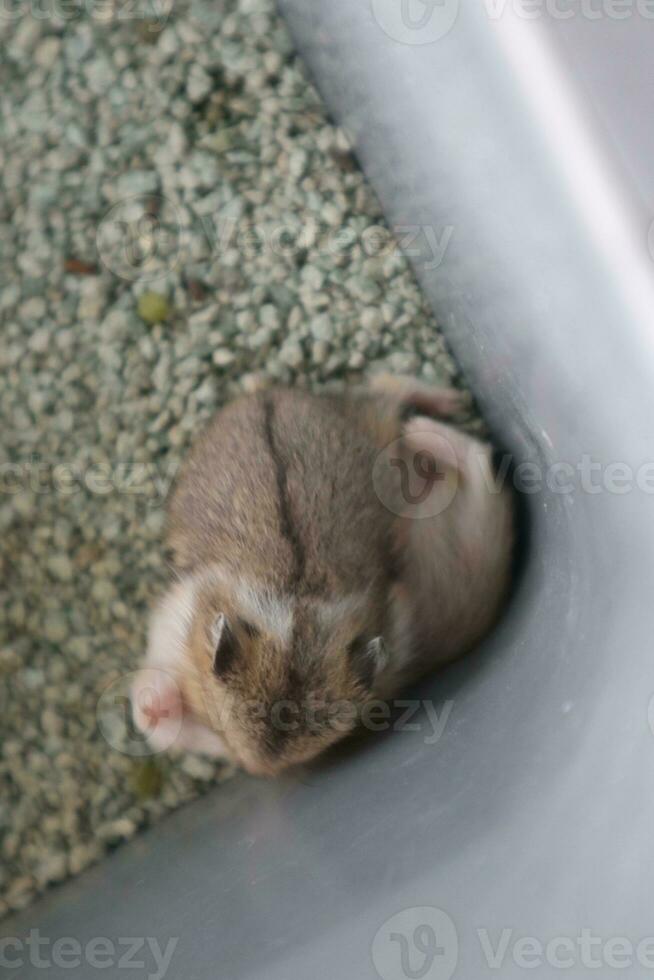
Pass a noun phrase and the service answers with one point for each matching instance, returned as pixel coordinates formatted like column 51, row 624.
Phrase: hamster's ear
column 224, row 646
column 367, row 659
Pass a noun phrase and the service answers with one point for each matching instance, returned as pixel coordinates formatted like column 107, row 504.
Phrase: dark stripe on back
column 287, row 528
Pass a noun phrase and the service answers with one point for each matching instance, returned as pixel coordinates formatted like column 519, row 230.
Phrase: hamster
column 328, row 550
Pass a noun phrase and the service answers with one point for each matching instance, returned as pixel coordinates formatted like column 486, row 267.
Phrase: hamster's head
column 264, row 680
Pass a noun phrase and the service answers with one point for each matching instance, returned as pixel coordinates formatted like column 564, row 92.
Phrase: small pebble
column 222, row 357
column 198, row 84
column 55, row 628
column 153, row 307
column 61, row 567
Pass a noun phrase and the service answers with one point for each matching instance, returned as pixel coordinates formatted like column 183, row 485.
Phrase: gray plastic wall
column 534, row 811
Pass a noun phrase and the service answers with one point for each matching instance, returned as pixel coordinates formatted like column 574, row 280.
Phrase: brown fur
column 278, row 495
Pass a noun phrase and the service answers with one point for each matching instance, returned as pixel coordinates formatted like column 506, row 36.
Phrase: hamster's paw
column 417, row 397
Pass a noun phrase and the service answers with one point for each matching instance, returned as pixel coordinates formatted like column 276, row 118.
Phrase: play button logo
column 416, row 944
column 415, row 21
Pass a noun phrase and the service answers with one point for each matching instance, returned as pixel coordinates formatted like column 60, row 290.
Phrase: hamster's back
column 279, row 487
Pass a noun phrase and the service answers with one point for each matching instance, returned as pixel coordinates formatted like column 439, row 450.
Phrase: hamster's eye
column 367, row 657
column 224, row 646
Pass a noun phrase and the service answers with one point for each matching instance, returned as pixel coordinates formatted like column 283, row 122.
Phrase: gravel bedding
column 179, row 220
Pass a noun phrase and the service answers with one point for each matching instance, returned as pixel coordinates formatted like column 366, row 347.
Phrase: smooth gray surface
column 612, row 63
column 534, row 812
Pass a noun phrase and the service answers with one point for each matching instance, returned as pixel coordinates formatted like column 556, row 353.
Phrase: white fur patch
column 172, row 727
column 333, row 612
column 170, row 625
column 270, row 613
column 274, row 614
